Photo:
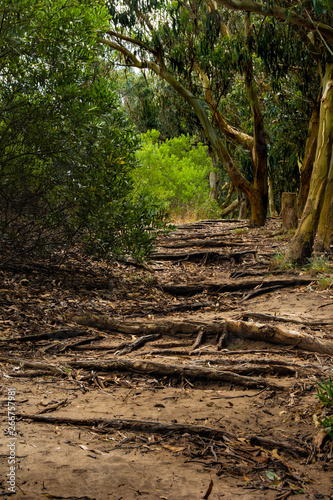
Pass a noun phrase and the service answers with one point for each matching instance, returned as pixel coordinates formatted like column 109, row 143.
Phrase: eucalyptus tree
column 312, row 22
column 66, row 147
column 190, row 46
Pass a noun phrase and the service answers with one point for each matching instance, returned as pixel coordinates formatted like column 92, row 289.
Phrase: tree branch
column 279, row 13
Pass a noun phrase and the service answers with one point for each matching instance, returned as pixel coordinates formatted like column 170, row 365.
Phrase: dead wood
column 104, row 424
column 192, row 289
column 151, row 367
column 132, row 346
column 282, row 319
column 184, row 236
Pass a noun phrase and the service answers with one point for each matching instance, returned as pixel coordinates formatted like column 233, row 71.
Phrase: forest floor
column 193, row 377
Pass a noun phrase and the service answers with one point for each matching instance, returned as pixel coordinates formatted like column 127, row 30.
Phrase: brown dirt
column 60, row 460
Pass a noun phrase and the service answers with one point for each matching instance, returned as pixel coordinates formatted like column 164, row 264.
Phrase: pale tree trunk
column 259, row 150
column 228, row 198
column 301, row 245
column 309, row 158
column 271, row 200
column 325, row 226
column 214, row 192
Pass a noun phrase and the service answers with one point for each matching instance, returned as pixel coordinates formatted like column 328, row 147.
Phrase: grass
column 241, row 230
column 281, row 263
column 318, row 266
column 325, row 395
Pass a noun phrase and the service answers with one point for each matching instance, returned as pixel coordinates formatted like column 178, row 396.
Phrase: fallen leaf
column 319, row 438
column 272, row 475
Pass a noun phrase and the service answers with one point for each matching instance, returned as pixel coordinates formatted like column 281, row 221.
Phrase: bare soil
column 241, row 414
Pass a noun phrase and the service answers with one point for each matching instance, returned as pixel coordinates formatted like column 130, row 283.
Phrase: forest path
column 193, row 377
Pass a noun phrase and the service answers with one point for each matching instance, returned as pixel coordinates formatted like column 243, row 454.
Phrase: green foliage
column 319, row 264
column 175, row 173
column 325, row 395
column 325, row 392
column 66, row 149
column 281, row 263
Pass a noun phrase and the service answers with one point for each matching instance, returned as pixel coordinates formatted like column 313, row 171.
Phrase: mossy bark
column 301, row 245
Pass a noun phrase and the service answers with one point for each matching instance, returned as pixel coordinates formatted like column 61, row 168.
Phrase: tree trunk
column 271, row 200
column 257, row 194
column 289, row 211
column 227, row 201
column 309, row 158
column 325, row 226
column 259, row 150
column 301, row 245
column 243, row 209
column 214, row 192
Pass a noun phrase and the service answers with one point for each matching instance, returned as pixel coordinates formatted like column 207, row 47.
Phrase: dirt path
column 194, row 377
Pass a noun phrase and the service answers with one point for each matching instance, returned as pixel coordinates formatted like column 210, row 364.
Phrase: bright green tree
column 176, row 173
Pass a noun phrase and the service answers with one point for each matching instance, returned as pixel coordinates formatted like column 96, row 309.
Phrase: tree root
column 104, row 424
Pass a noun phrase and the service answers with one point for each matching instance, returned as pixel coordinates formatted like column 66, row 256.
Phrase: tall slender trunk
column 309, row 158
column 259, row 150
column 301, row 245
column 325, row 226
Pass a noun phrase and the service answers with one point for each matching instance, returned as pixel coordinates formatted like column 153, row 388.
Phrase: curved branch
column 229, row 131
column 279, row 13
column 134, row 41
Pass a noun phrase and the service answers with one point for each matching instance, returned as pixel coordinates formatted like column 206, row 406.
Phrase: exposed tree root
column 243, row 329
column 132, row 346
column 282, row 319
column 163, row 369
column 192, row 289
column 104, row 424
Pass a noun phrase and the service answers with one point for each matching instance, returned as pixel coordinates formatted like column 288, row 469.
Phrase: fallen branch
column 104, row 424
column 274, row 335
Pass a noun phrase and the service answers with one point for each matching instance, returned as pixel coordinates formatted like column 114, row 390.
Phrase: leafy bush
column 66, row 149
column 175, row 173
